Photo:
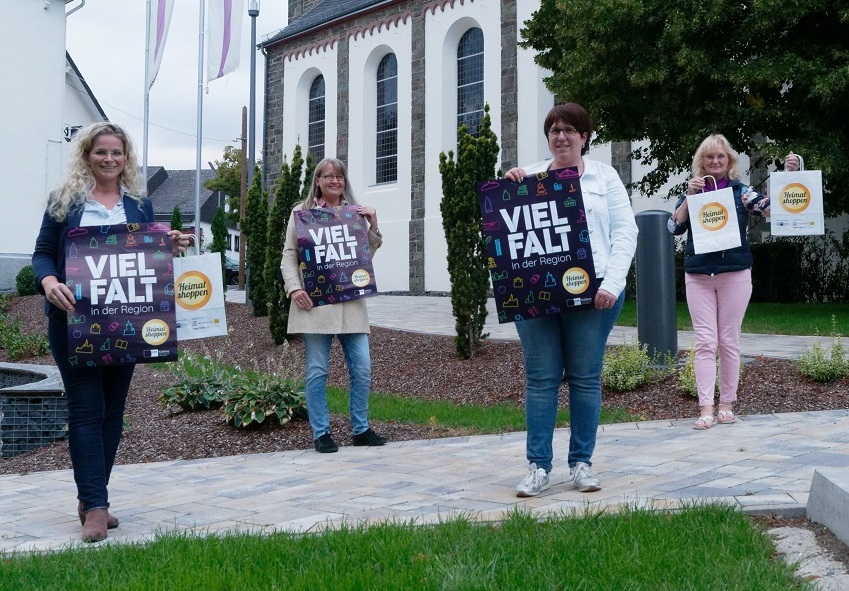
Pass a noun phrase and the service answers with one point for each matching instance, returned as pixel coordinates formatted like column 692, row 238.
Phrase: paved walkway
column 761, row 463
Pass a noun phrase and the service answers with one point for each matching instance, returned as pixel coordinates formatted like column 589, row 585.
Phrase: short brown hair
column 571, row 114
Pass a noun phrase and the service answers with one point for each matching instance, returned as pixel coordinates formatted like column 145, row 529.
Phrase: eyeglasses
column 556, row 131
column 331, row 177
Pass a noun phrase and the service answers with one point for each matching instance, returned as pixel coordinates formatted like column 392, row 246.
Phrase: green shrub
column 257, row 396
column 202, row 382
column 247, row 397
column 18, row 344
column 816, row 365
column 25, row 281
column 687, row 375
column 629, row 366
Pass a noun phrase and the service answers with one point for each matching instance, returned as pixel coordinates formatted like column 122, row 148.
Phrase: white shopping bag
column 713, row 221
column 199, row 297
column 797, row 205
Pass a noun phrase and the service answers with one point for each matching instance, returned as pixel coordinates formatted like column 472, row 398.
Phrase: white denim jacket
column 610, row 220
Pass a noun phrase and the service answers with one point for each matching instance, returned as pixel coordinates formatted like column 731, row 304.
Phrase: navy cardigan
column 49, row 255
column 724, row 261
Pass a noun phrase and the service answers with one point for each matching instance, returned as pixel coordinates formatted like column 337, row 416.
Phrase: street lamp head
column 253, row 8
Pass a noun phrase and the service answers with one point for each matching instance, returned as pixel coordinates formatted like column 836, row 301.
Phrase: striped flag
column 159, row 18
column 224, row 26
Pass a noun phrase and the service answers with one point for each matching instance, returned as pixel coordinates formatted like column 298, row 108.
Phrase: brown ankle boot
column 111, row 521
column 94, row 529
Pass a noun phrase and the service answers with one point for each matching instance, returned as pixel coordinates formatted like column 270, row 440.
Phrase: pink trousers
column 717, row 305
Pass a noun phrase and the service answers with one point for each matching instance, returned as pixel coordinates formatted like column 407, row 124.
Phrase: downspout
column 73, row 10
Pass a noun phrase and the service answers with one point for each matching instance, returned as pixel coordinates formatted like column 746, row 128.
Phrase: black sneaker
column 325, row 444
column 370, row 438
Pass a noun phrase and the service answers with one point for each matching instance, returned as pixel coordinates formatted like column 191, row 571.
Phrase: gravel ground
column 404, row 363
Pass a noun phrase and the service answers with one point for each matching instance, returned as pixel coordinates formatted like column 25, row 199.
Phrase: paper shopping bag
column 199, row 297
column 713, row 221
column 797, row 205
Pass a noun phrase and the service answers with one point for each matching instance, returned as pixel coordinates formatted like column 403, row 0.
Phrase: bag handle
column 192, row 240
column 801, row 162
column 709, row 176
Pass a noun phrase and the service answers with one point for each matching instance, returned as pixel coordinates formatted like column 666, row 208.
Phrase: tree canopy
column 228, row 178
column 771, row 75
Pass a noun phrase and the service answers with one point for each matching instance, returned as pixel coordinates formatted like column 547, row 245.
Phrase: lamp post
column 253, row 12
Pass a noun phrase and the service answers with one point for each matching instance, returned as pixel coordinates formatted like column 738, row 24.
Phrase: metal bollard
column 656, row 321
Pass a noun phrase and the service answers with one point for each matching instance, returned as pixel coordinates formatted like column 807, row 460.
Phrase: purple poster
column 123, row 279
column 335, row 254
column 538, row 245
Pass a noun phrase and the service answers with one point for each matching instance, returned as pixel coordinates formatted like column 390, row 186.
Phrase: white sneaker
column 583, row 478
column 534, row 483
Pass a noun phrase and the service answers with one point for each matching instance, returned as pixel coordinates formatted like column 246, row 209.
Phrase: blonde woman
column 719, row 284
column 102, row 187
column 347, row 320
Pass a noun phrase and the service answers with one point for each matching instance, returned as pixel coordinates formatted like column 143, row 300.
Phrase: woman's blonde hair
column 715, row 139
column 315, row 191
column 79, row 181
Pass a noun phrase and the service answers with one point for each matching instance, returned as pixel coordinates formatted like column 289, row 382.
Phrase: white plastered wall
column 443, row 32
column 392, row 200
column 32, row 98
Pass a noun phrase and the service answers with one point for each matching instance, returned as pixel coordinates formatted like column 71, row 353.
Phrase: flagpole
column 146, row 97
column 199, row 125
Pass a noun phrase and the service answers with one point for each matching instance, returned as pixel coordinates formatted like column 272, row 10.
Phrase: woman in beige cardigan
column 347, row 320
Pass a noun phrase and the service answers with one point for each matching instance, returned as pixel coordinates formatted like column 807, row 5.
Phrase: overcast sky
column 106, row 39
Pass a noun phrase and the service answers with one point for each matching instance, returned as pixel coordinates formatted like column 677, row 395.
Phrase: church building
column 383, row 85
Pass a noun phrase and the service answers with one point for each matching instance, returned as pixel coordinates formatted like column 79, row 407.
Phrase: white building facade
column 43, row 99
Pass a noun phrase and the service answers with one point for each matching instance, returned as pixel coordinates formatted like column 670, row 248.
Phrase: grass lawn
column 789, row 319
column 699, row 548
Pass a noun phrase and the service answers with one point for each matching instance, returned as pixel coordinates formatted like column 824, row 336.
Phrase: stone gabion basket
column 33, row 408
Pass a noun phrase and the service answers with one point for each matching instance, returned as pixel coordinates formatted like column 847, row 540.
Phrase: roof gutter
column 328, row 24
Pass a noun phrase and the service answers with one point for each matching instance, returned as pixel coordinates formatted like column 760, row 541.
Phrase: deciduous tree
column 772, row 75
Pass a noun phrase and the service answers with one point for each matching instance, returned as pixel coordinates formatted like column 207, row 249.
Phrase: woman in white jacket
column 572, row 344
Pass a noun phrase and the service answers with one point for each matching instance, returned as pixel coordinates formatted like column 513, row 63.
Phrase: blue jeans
column 570, row 344
column 357, row 356
column 96, row 398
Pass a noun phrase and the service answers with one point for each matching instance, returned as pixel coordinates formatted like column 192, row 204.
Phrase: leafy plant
column 628, row 367
column 25, row 281
column 816, row 365
column 256, row 397
column 18, row 344
column 248, row 397
column 687, row 375
column 201, row 385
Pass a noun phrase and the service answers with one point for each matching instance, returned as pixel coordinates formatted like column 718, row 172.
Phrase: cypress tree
column 461, row 220
column 288, row 193
column 254, row 231
column 177, row 219
column 219, row 236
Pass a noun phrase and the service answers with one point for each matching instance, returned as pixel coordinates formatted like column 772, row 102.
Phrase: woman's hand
column 695, row 185
column 370, row 214
column 302, row 299
column 791, row 162
column 179, row 241
column 58, row 293
column 515, row 174
column 604, row 299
